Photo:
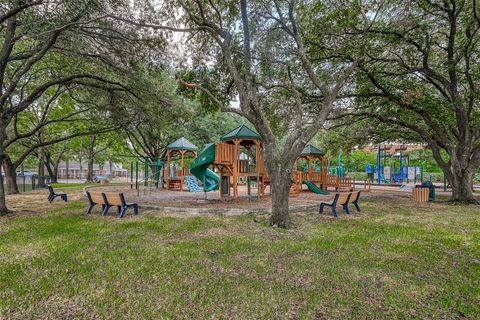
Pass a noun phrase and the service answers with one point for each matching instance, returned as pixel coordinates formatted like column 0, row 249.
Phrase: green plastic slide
column 199, row 168
column 314, row 188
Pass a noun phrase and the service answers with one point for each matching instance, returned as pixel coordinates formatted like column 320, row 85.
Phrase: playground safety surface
column 198, row 203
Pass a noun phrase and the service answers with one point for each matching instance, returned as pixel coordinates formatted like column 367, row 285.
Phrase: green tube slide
column 199, row 168
column 314, row 188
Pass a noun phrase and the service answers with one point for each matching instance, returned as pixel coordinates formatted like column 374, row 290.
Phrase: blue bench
column 108, row 200
column 341, row 198
column 52, row 194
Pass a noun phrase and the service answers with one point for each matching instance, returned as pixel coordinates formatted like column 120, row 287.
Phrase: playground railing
column 332, row 181
column 367, row 185
column 153, row 180
column 346, row 182
column 224, row 153
column 316, row 177
column 245, row 167
column 302, row 175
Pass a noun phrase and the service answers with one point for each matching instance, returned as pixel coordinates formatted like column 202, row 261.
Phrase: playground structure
column 151, row 176
column 383, row 173
column 315, row 174
column 235, row 160
column 231, row 165
column 177, row 151
column 169, row 173
column 314, row 171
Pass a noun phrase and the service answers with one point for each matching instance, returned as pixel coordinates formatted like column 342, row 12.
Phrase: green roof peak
column 182, row 144
column 241, row 132
column 311, row 150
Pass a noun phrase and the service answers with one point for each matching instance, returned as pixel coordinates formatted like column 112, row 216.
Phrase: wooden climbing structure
column 312, row 169
column 231, row 164
column 177, row 152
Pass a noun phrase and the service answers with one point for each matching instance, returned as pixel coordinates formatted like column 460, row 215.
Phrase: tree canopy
column 344, row 73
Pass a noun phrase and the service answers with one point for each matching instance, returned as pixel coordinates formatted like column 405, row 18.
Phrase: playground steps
column 192, row 184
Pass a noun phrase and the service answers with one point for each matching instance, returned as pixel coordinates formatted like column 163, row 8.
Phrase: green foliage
column 166, row 111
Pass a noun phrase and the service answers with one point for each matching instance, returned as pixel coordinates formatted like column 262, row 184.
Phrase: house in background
column 394, row 147
column 75, row 171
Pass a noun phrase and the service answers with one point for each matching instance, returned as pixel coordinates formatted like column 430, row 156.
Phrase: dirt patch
column 36, row 202
column 184, row 202
column 212, row 200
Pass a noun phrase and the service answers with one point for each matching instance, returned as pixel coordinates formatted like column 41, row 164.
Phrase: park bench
column 95, row 198
column 341, row 198
column 118, row 200
column 52, row 194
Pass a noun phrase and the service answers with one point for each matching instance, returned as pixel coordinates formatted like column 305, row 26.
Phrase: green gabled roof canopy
column 242, row 132
column 182, row 144
column 311, row 150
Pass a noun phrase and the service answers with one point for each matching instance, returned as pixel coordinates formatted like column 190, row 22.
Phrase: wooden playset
column 231, row 165
column 316, row 175
column 177, row 151
column 317, row 169
column 236, row 160
column 239, row 157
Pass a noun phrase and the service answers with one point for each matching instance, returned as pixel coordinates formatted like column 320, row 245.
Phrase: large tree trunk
column 91, row 158
column 459, row 171
column 281, row 180
column 41, row 167
column 51, row 169
column 89, row 171
column 51, row 174
column 55, row 173
column 281, row 184
column 3, row 203
column 462, row 185
column 10, row 176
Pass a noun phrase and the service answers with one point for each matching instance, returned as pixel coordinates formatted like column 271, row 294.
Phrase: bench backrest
column 343, row 197
column 96, row 197
column 114, row 198
column 50, row 189
column 355, row 196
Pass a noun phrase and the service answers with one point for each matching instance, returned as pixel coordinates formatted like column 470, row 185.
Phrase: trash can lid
column 427, row 184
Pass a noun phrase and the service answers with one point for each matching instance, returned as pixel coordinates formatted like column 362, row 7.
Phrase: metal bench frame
column 92, row 203
column 333, row 205
column 106, row 205
column 355, row 201
column 52, row 194
column 122, row 208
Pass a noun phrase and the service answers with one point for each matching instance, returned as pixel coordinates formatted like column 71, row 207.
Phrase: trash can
column 431, row 187
column 420, row 194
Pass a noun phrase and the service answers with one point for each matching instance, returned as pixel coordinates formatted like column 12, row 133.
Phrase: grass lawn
column 394, row 260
